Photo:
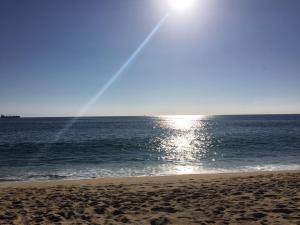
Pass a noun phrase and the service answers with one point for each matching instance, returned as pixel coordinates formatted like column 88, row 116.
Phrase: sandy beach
column 239, row 198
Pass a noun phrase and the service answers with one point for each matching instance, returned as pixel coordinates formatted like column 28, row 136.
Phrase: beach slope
column 240, row 198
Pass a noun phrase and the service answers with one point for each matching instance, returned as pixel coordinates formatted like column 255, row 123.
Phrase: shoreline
column 136, row 179
column 264, row 197
column 131, row 178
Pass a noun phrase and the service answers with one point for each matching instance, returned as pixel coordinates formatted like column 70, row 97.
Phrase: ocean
column 94, row 147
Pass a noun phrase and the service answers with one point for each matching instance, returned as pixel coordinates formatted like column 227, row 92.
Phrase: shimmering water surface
column 143, row 146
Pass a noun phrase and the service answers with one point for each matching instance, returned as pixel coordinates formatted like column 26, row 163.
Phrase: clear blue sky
column 221, row 57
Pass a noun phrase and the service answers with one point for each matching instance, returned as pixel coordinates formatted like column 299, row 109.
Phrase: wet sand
column 240, row 198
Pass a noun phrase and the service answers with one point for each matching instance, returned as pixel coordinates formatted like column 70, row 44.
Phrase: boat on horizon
column 9, row 116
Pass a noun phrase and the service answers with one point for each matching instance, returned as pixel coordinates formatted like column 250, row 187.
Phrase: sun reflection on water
column 185, row 139
column 183, row 122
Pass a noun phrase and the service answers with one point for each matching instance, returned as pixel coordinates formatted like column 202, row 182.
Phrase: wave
column 159, row 170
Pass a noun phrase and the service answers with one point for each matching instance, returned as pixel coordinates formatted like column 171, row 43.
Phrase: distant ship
column 9, row 117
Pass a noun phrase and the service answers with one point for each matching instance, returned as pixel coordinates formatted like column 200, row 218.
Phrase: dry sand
column 242, row 198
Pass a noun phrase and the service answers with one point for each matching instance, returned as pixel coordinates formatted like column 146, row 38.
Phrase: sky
column 217, row 57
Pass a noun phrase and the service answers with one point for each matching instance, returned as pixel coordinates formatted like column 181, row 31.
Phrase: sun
column 181, row 5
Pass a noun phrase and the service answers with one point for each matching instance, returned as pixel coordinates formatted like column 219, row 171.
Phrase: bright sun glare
column 181, row 5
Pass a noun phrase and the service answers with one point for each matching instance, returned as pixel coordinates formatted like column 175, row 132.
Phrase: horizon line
column 90, row 116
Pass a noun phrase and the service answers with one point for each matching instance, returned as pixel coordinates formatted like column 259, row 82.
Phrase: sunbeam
column 94, row 99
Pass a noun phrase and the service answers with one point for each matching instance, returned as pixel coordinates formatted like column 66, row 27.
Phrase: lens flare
column 107, row 85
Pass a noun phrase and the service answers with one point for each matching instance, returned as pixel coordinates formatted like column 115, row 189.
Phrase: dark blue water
column 139, row 146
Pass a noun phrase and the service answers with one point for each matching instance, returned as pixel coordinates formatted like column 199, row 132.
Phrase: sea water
column 96, row 147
